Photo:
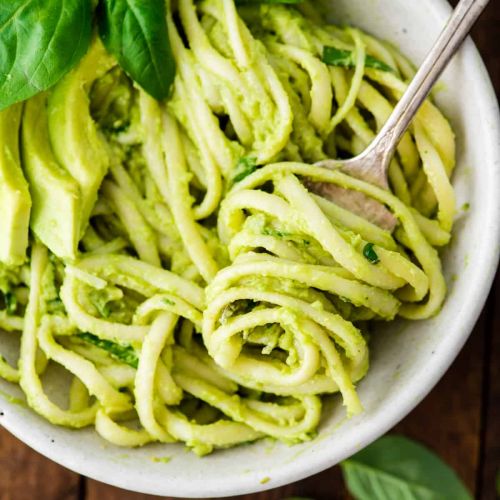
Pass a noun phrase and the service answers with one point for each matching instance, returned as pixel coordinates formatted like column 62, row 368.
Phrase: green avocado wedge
column 15, row 201
column 55, row 217
column 76, row 142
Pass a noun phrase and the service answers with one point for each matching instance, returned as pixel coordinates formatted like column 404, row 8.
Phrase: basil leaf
column 395, row 467
column 370, row 254
column 269, row 231
column 246, row 166
column 10, row 302
column 40, row 41
column 135, row 32
column 345, row 59
column 123, row 353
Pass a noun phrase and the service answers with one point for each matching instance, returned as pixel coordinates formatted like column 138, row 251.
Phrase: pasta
column 189, row 266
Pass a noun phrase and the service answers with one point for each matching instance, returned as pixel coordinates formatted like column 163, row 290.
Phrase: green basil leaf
column 135, row 32
column 345, row 59
column 123, row 353
column 395, row 467
column 370, row 254
column 40, row 41
column 10, row 302
column 246, row 166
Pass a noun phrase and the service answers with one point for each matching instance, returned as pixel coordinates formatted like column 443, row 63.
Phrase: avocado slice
column 78, row 146
column 55, row 217
column 15, row 200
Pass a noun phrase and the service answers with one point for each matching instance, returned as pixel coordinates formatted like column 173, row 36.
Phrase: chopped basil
column 346, row 59
column 370, row 254
column 123, row 353
column 246, row 166
column 168, row 302
column 10, row 303
column 269, row 231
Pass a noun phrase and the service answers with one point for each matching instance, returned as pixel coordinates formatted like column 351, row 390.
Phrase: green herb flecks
column 370, row 254
column 136, row 33
column 40, row 42
column 168, row 302
column 269, row 231
column 10, row 301
column 101, row 302
column 346, row 59
column 395, row 467
column 246, row 166
column 123, row 353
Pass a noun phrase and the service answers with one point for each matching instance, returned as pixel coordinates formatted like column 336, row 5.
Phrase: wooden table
column 460, row 419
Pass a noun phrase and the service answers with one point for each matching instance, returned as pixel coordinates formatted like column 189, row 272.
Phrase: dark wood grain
column 486, row 34
column 460, row 419
column 489, row 471
column 26, row 475
column 100, row 491
column 448, row 421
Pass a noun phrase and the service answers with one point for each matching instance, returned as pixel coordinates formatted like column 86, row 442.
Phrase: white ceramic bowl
column 406, row 361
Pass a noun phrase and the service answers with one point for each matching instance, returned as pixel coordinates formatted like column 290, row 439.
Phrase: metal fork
column 372, row 165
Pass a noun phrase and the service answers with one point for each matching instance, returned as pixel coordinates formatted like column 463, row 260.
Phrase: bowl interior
column 407, row 359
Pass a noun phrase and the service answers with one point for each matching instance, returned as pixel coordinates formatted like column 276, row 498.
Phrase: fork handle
column 449, row 41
